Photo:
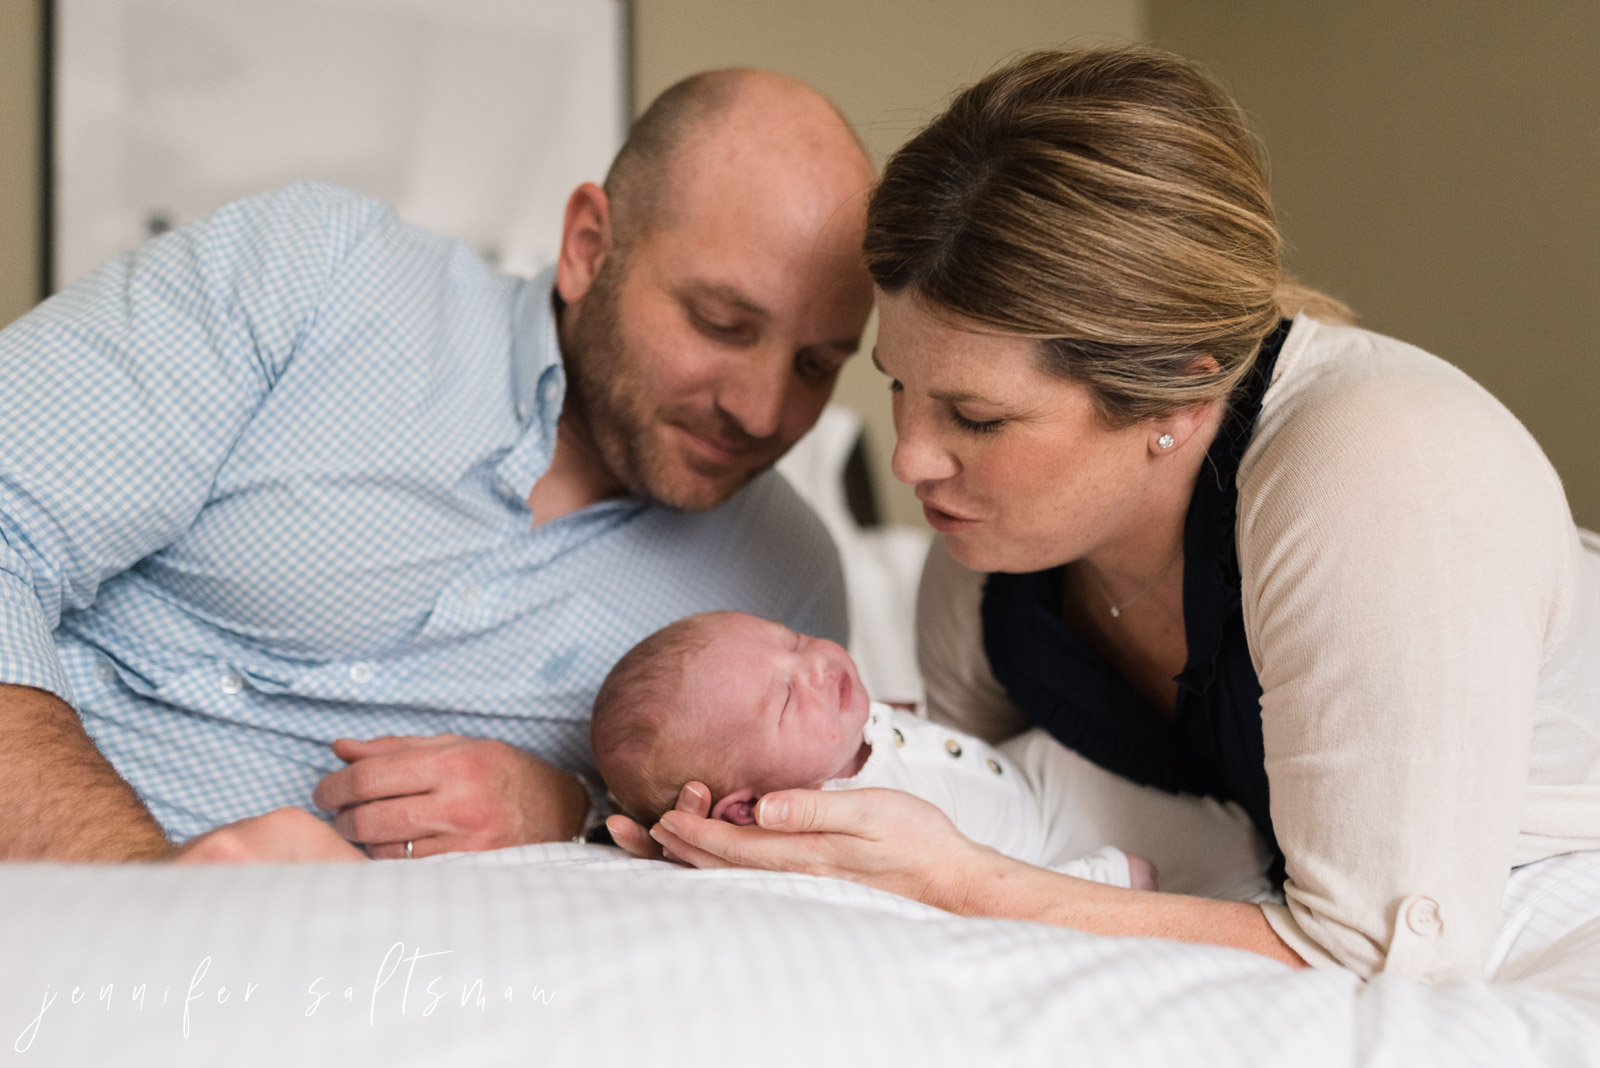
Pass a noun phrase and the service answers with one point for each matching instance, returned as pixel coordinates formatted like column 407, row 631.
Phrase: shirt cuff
column 27, row 650
column 1282, row 921
column 599, row 807
column 1416, row 946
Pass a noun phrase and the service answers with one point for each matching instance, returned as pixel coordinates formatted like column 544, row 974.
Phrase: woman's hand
column 882, row 838
column 694, row 798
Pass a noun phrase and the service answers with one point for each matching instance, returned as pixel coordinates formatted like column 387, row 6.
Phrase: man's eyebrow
column 727, row 295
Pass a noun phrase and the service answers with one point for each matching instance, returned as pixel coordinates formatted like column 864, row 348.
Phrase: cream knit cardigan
column 1424, row 619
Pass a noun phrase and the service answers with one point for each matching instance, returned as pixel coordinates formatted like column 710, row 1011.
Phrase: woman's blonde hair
column 1110, row 203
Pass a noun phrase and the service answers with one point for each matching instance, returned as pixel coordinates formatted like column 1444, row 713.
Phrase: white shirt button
column 104, row 671
column 361, row 672
column 522, row 410
column 469, row 595
column 1422, row 916
column 230, row 681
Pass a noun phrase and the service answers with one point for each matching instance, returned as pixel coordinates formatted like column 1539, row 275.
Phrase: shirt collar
column 538, row 386
column 536, row 350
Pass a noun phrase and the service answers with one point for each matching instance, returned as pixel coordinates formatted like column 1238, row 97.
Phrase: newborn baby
column 749, row 707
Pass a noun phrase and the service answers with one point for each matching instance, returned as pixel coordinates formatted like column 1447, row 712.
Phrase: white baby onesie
column 984, row 793
column 1034, row 799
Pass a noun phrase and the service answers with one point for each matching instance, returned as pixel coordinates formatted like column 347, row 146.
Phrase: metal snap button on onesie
column 952, row 747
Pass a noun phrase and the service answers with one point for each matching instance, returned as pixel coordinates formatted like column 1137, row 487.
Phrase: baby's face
column 788, row 710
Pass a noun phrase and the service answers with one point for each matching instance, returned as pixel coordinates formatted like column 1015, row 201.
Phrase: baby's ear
column 738, row 807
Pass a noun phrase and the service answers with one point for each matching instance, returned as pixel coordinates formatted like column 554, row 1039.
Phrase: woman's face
column 1012, row 465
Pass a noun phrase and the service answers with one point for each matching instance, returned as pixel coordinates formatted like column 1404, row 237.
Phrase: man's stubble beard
column 610, row 407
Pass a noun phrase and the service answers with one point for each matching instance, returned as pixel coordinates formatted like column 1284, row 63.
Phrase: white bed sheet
column 589, row 958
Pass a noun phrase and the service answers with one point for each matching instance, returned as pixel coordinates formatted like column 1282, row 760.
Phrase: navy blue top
column 1213, row 746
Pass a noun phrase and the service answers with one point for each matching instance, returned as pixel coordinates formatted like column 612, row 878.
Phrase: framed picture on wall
column 475, row 118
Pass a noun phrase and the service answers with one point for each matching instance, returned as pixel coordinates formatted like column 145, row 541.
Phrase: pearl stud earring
column 1166, row 441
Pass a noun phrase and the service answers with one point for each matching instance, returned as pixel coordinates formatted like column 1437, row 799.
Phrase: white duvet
column 576, row 955
column 566, row 954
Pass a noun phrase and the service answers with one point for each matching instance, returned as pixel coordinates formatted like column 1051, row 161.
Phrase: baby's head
column 743, row 705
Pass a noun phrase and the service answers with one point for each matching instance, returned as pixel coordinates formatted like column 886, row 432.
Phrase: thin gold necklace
column 1117, row 609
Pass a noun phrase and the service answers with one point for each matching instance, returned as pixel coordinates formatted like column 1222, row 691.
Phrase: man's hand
column 447, row 793
column 283, row 835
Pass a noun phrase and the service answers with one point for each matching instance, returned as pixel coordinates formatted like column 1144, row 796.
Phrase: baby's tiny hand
column 1141, row 873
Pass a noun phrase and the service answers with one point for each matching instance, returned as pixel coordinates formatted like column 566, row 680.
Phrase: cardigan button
column 993, row 766
column 1422, row 916
column 899, row 739
column 952, row 747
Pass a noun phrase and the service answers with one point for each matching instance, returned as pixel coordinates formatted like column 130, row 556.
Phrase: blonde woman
column 1232, row 546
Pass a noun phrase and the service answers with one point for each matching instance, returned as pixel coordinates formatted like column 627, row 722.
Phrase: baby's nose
column 820, row 670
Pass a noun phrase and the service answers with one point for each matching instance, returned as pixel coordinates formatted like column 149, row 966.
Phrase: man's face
column 701, row 352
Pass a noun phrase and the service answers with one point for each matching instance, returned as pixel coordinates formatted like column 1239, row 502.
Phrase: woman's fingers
column 709, row 843
column 632, row 838
column 884, row 838
column 797, row 830
column 833, row 811
column 681, row 851
column 695, row 799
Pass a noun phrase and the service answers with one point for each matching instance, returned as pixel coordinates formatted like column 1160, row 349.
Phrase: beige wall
column 888, row 64
column 19, row 157
column 1436, row 166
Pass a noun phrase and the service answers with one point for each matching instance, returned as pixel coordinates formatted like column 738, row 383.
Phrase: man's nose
column 753, row 394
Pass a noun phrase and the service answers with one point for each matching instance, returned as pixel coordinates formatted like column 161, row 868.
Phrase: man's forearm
column 59, row 798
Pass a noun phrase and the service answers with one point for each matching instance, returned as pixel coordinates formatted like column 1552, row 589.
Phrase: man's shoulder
column 763, row 551
column 319, row 225
column 307, row 198
column 769, row 507
column 763, row 517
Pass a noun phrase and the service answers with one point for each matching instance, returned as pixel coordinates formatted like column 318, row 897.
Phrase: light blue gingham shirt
column 263, row 484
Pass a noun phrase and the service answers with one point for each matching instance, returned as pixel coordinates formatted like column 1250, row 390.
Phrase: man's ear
column 586, row 239
column 738, row 807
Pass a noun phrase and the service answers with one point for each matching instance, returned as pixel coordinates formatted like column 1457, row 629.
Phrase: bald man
column 303, row 504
